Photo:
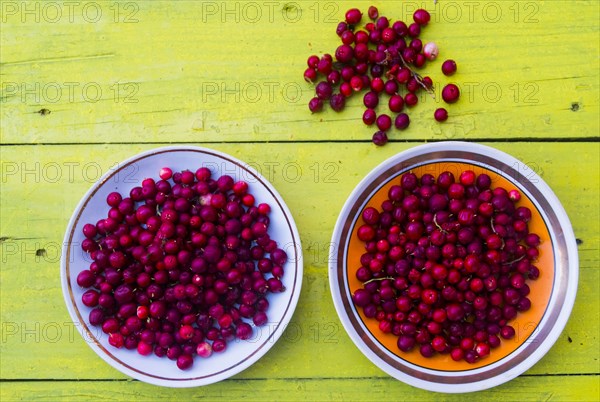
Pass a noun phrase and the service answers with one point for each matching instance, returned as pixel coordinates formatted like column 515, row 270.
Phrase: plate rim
column 571, row 277
column 256, row 354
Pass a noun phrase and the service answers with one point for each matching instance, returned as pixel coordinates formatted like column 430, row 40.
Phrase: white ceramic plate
column 239, row 354
column 560, row 275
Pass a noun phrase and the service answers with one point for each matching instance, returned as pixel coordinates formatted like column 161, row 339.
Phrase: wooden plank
column 529, row 388
column 190, row 71
column 39, row 340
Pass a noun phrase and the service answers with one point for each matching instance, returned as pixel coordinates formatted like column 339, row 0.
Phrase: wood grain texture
column 209, row 71
column 580, row 388
column 119, row 77
column 38, row 336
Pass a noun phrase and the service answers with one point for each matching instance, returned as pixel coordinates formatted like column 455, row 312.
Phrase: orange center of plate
column 525, row 323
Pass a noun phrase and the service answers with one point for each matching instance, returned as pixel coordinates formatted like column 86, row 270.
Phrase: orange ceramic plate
column 552, row 294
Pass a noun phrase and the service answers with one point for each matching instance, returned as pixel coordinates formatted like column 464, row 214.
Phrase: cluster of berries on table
column 181, row 266
column 446, row 264
column 380, row 59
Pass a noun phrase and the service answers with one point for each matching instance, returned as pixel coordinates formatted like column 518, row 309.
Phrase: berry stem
column 378, row 279
column 418, row 78
column 438, row 225
column 515, row 260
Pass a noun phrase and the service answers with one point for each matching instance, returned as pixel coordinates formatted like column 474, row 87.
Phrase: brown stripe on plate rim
column 559, row 253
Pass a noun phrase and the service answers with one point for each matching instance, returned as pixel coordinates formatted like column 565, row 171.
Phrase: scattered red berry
column 421, row 17
column 373, row 13
column 402, row 121
column 449, row 67
column 313, row 62
column 310, row 75
column 382, row 57
column 450, row 93
column 369, row 117
column 440, row 114
column 324, row 90
column 431, row 51
column 384, row 122
column 380, row 138
column 337, row 102
column 411, row 99
column 396, row 103
column 353, row 16
column 315, row 105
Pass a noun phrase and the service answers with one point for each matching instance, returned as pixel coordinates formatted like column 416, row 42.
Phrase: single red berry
column 337, row 102
column 347, row 37
column 344, row 53
column 315, row 105
column 185, row 361
column 369, row 117
column 411, row 99
column 449, row 67
column 514, row 195
column 313, row 62
column 402, row 121
column 333, row 77
column 353, row 16
column 325, row 65
column 165, row 173
column 413, row 85
column 421, row 17
column 361, row 37
column 248, row 199
column 482, row 349
column 388, row 35
column 384, row 122
column 420, row 60
column 382, row 23
column 450, row 93
column 396, row 103
column 142, row 312
column 342, row 27
column 403, row 75
column 401, row 28
column 346, row 89
column 416, row 44
column 377, row 85
column 380, row 138
column 356, row 83
column 467, row 178
column 264, row 208
column 144, row 348
column 324, row 90
column 428, row 82
column 440, row 114
column 431, row 51
column 371, row 100
column 414, row 30
column 373, row 13
column 457, row 354
column 116, row 339
column 361, row 52
column 409, row 55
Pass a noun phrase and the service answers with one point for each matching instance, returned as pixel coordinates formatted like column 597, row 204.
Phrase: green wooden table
column 87, row 84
